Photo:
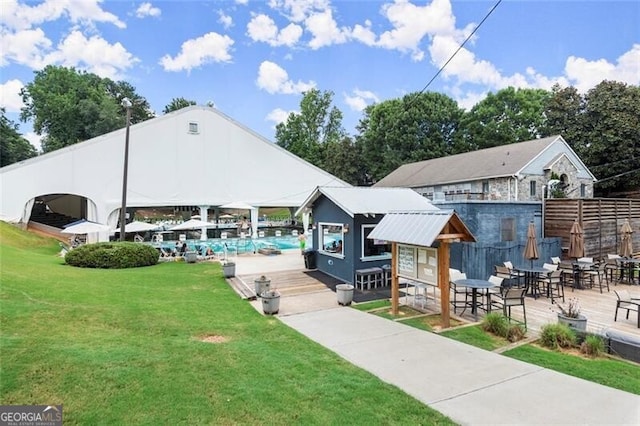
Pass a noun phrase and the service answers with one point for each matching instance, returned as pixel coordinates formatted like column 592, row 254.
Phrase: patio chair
column 458, row 291
column 509, row 298
column 555, row 260
column 597, row 272
column 515, row 275
column 628, row 303
column 612, row 269
column 504, row 273
column 498, row 281
column 553, row 285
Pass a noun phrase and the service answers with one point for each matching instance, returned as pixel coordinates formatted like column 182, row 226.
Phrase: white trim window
column 373, row 249
column 193, row 128
column 331, row 236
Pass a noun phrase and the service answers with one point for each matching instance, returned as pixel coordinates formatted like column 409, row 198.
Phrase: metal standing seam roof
column 503, row 160
column 419, row 228
column 368, row 200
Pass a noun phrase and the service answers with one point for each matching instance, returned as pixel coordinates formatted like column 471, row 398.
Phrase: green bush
column 515, row 333
column 496, row 324
column 557, row 335
column 593, row 345
column 112, row 255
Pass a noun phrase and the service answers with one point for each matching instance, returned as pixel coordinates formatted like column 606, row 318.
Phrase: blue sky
column 253, row 59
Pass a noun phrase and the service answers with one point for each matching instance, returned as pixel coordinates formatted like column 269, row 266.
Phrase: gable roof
column 367, row 200
column 499, row 161
column 420, row 228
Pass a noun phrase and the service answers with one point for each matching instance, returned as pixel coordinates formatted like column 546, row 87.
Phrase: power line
column 617, row 176
column 459, row 47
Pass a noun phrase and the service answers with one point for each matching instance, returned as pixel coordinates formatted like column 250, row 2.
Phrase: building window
column 373, row 248
column 583, row 190
column 193, row 128
column 485, row 187
column 507, row 229
column 532, row 188
column 331, row 236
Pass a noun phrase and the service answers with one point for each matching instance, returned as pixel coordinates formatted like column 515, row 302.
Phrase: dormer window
column 193, row 128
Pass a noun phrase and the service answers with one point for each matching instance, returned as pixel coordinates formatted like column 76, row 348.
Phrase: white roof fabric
column 195, row 156
column 416, row 228
column 368, row 200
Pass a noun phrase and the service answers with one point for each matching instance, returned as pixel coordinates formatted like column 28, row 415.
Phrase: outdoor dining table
column 531, row 275
column 578, row 267
column 474, row 285
column 628, row 265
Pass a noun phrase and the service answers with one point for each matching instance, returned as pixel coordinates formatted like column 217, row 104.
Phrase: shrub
column 593, row 345
column 112, row 255
column 557, row 335
column 496, row 324
column 515, row 332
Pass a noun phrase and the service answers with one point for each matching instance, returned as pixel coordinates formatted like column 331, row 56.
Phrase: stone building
column 523, row 171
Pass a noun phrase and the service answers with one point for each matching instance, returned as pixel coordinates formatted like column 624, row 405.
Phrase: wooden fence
column 600, row 218
column 477, row 260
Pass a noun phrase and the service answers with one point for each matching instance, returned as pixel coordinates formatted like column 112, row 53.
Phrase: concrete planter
column 229, row 269
column 262, row 285
column 345, row 294
column 576, row 324
column 270, row 302
column 191, row 257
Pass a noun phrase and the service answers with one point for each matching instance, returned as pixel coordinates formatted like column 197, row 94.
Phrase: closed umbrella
column 626, row 245
column 531, row 249
column 576, row 241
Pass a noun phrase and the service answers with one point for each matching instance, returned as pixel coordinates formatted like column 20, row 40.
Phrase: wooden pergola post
column 443, row 282
column 395, row 290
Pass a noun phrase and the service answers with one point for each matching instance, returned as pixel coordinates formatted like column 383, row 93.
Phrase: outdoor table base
column 475, row 285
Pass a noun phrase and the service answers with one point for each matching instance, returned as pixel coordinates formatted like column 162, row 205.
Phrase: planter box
column 261, row 286
column 345, row 294
column 191, row 257
column 576, row 324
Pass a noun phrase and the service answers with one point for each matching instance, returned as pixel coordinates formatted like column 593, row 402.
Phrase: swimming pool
column 239, row 245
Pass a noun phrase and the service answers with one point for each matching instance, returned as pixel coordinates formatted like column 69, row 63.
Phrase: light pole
column 123, row 209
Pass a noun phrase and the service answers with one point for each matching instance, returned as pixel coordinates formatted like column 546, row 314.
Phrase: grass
column 403, row 312
column 606, row 371
column 430, row 322
column 368, row 306
column 124, row 347
column 474, row 335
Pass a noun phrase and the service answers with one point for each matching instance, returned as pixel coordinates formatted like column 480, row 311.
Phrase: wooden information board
column 418, row 263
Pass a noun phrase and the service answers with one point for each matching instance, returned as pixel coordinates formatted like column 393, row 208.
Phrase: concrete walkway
column 467, row 384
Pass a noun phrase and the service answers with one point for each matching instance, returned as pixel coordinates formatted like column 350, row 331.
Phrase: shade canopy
column 531, row 248
column 626, row 244
column 137, row 226
column 237, row 205
column 85, row 227
column 576, row 241
column 192, row 224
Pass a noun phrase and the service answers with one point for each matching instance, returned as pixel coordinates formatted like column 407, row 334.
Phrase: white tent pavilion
column 253, row 212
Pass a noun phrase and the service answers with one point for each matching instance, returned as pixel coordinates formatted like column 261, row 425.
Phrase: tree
column 176, row 104
column 511, row 115
column 13, row 147
column 611, row 145
column 419, row 126
column 70, row 106
column 306, row 134
column 342, row 159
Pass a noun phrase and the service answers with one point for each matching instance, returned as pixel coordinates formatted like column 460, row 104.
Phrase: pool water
column 239, row 245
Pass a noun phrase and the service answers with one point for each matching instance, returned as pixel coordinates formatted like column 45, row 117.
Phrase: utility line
column 458, row 49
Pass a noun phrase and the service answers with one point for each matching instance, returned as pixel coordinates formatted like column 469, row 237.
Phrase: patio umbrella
column 237, row 205
column 626, row 245
column 531, row 249
column 576, row 241
column 137, row 226
column 84, row 227
column 192, row 224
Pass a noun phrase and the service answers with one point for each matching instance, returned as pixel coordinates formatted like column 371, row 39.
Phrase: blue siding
column 536, row 167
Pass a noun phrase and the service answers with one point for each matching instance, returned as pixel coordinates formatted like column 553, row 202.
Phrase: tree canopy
column 176, row 104
column 70, row 106
column 13, row 147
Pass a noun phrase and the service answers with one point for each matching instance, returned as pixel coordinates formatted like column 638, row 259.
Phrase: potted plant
column 570, row 315
column 270, row 301
column 228, row 268
column 262, row 284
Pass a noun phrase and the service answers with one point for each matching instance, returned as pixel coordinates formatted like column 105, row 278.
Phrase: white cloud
column 278, row 116
column 359, row 99
column 298, row 10
column 262, row 28
column 225, row 20
column 274, row 79
column 147, row 9
column 24, row 47
column 93, row 54
column 10, row 98
column 34, row 139
column 585, row 74
column 325, row 30
column 243, row 2
column 21, row 16
column 211, row 47
column 364, row 34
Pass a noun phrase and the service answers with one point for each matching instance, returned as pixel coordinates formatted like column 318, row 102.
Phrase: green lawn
column 606, row 371
column 474, row 335
column 123, row 347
